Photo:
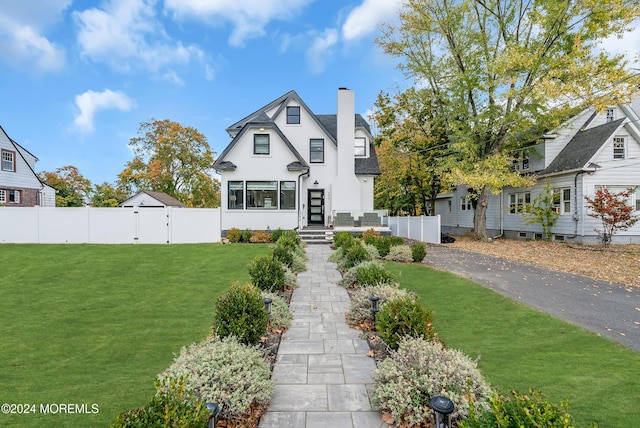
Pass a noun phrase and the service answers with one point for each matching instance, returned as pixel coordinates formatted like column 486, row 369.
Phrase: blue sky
column 78, row 77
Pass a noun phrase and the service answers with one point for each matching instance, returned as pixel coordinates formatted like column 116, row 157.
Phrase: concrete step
column 316, row 236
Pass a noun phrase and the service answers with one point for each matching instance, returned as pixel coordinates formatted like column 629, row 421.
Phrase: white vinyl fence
column 88, row 225
column 422, row 228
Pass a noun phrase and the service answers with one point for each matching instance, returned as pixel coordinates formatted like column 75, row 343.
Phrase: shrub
column 280, row 317
column 343, row 240
column 403, row 317
column 370, row 234
column 419, row 370
column 240, row 312
column 372, row 251
column 385, row 243
column 172, row 406
column 418, row 251
column 282, row 254
column 234, row 234
column 226, row 372
column 400, row 253
column 299, row 263
column 246, row 235
column 266, row 273
column 336, row 256
column 276, row 234
column 260, row 237
column 366, row 273
column 530, row 410
column 290, row 278
column 355, row 255
column 290, row 239
column 360, row 307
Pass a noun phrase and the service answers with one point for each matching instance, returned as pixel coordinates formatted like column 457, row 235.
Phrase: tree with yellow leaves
column 502, row 72
column 173, row 159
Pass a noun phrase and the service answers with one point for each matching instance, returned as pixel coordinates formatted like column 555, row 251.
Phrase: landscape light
column 442, row 408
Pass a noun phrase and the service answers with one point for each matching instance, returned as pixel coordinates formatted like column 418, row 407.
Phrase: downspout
column 300, row 198
column 576, row 217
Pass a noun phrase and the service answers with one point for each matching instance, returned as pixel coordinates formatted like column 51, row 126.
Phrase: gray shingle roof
column 582, row 147
column 368, row 166
column 169, row 201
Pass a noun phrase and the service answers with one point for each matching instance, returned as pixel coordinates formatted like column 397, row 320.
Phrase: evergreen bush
column 371, row 272
column 403, row 317
column 240, row 312
column 343, row 240
column 418, row 251
column 234, row 235
column 359, row 313
column 267, row 273
column 246, row 235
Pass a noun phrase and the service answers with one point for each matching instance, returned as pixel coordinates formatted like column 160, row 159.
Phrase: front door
column 316, row 207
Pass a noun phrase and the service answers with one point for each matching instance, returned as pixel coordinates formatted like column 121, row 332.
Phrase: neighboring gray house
column 148, row 199
column 288, row 168
column 19, row 184
column 591, row 150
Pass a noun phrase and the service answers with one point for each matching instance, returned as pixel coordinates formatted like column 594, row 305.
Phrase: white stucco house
column 19, row 184
column 590, row 150
column 287, row 167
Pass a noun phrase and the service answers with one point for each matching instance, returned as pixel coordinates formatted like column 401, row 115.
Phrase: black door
column 316, row 207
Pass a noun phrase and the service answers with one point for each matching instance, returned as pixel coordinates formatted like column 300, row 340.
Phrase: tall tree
column 411, row 148
column 72, row 188
column 173, row 159
column 106, row 195
column 504, row 71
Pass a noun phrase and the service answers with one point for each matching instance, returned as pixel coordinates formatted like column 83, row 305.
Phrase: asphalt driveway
column 609, row 309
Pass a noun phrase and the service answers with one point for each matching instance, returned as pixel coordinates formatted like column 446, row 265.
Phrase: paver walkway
column 322, row 374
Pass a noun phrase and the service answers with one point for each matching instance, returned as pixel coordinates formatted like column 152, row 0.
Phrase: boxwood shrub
column 404, row 317
column 267, row 273
column 240, row 312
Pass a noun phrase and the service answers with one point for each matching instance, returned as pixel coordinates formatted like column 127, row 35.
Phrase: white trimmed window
column 517, row 201
column 3, row 196
column 14, row 196
column 611, row 115
column 361, row 146
column 619, row 147
column 562, row 200
column 261, row 144
column 465, row 204
column 8, row 161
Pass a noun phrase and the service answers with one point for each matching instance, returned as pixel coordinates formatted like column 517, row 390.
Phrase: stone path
column 322, row 375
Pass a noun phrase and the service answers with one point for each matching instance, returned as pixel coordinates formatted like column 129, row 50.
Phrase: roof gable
column 161, row 197
column 583, row 147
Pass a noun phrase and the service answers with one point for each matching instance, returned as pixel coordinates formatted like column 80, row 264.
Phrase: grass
column 522, row 348
column 85, row 324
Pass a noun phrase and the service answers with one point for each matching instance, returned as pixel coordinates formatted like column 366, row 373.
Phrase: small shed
column 147, row 199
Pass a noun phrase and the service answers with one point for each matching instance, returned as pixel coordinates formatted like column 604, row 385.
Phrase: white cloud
column 628, row 45
column 126, row 35
column 90, row 102
column 320, row 51
column 248, row 17
column 365, row 19
column 23, row 26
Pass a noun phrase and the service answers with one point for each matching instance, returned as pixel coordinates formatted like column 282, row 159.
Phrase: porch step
column 314, row 236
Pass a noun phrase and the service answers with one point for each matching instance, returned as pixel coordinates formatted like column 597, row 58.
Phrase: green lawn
column 522, row 347
column 85, row 324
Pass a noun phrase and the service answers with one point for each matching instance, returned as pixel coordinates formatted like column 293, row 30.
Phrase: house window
column 465, row 203
column 611, row 115
column 637, row 198
column 236, row 195
column 8, row 161
column 14, row 196
column 261, row 144
column 361, row 146
column 525, row 160
column 293, row 115
column 517, row 202
column 3, row 196
column 262, row 195
column 618, row 148
column 562, row 200
column 287, row 195
column 316, row 150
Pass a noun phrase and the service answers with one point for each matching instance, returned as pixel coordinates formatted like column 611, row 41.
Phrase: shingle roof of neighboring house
column 162, row 197
column 582, row 147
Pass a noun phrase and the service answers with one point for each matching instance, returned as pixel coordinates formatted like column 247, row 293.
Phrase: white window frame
column 15, row 195
column 619, row 147
column 517, row 201
column 10, row 158
column 562, row 200
column 3, row 196
column 360, row 146
column 611, row 115
column 465, row 203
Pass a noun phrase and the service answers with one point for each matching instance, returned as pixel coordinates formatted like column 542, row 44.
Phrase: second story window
column 618, row 148
column 316, row 150
column 611, row 115
column 361, row 146
column 293, row 115
column 8, row 161
column 261, row 144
